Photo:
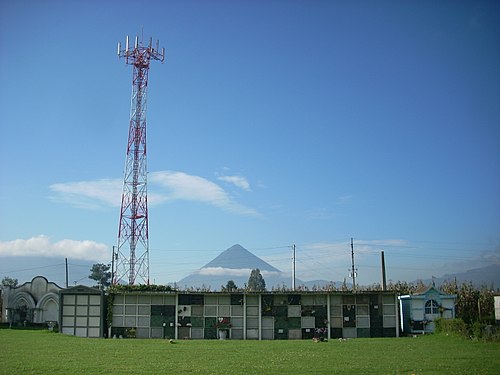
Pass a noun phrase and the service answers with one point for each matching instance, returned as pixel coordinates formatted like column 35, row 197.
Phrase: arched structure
column 36, row 301
column 47, row 308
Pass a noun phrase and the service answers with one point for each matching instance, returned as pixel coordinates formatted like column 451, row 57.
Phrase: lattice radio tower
column 132, row 261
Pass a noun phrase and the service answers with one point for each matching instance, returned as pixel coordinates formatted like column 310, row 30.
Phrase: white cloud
column 95, row 194
column 220, row 271
column 42, row 246
column 163, row 186
column 89, row 194
column 238, row 181
column 182, row 186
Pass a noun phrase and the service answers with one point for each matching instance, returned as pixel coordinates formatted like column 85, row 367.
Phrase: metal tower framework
column 132, row 261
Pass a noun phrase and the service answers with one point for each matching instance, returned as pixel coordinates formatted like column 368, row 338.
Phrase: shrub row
column 27, row 326
column 475, row 331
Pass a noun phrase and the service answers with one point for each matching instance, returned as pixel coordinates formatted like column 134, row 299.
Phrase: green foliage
column 110, row 299
column 483, row 331
column 475, row 331
column 428, row 354
column 9, row 281
column 27, row 327
column 256, row 282
column 231, row 285
column 466, row 306
column 472, row 304
column 131, row 333
column 100, row 273
column 117, row 288
column 450, row 326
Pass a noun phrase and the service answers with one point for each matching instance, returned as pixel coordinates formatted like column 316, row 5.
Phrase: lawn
column 42, row 352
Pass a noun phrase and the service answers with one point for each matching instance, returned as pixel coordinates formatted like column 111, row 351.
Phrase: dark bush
column 451, row 326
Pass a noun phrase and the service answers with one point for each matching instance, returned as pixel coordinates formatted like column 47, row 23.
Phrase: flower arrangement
column 320, row 334
column 223, row 323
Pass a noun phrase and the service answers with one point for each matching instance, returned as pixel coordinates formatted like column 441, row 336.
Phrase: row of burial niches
column 256, row 316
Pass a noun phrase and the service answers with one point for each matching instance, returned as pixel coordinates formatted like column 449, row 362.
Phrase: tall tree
column 466, row 305
column 230, row 286
column 256, row 282
column 9, row 281
column 100, row 273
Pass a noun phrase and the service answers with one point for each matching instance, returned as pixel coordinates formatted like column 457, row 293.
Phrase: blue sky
column 271, row 123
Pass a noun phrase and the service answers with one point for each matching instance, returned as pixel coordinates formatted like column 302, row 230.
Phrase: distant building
column 36, row 301
column 497, row 309
column 82, row 311
column 420, row 309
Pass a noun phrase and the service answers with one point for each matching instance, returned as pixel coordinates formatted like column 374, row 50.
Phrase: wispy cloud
column 42, row 246
column 163, row 186
column 344, row 199
column 182, row 186
column 237, row 181
column 89, row 194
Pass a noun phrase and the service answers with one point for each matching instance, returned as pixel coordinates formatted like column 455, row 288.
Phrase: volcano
column 235, row 264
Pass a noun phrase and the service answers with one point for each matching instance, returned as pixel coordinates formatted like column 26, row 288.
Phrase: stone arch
column 22, row 298
column 48, row 308
column 21, row 307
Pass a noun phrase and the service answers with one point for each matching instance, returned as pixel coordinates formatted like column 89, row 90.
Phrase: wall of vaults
column 255, row 316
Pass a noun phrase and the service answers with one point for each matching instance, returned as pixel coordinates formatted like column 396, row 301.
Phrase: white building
column 420, row 309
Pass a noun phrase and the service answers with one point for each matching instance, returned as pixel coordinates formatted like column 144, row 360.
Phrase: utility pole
column 384, row 283
column 353, row 269
column 113, row 266
column 293, row 268
column 66, row 261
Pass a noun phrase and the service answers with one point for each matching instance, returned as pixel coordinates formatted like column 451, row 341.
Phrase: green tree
column 9, row 281
column 466, row 305
column 256, row 282
column 100, row 273
column 450, row 287
column 230, row 286
column 486, row 304
column 472, row 304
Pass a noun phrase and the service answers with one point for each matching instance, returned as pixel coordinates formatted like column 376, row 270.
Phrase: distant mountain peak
column 237, row 257
column 233, row 264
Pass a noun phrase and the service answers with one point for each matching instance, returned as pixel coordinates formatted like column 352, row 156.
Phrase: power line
column 34, row 268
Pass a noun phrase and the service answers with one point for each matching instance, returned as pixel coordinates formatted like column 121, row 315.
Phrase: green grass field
column 41, row 352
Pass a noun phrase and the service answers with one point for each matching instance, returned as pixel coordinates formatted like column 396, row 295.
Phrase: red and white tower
column 132, row 253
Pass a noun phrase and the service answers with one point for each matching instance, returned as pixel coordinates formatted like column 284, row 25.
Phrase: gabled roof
column 426, row 289
column 426, row 292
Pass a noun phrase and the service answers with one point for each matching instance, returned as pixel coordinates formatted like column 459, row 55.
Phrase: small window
column 431, row 307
